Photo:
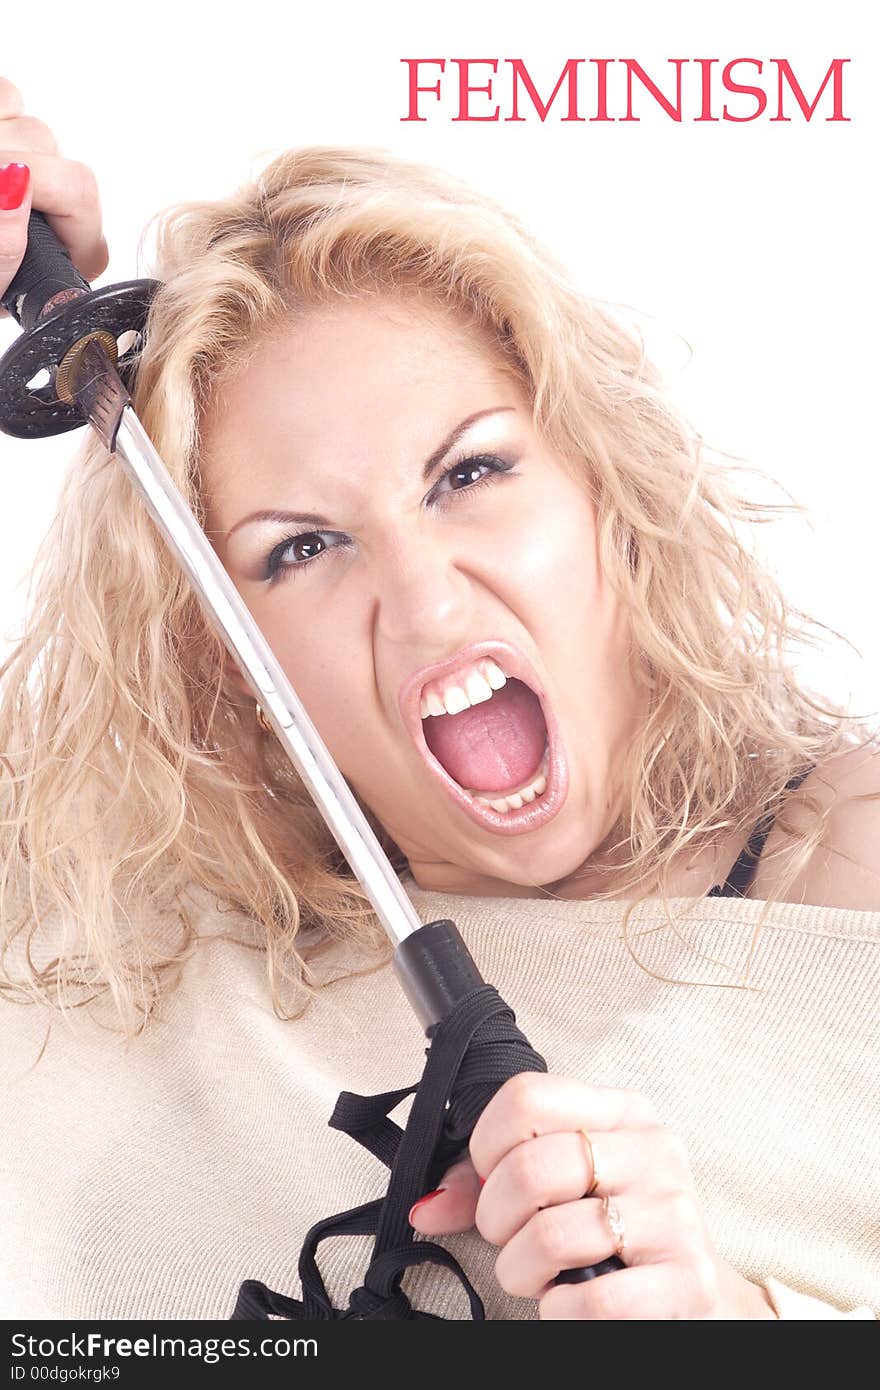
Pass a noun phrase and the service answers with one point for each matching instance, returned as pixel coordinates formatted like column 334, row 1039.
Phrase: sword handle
column 46, row 277
column 436, row 970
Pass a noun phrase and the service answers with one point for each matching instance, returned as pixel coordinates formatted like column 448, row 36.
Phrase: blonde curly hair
column 129, row 765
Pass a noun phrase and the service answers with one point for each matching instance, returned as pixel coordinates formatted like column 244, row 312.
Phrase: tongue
column 493, row 746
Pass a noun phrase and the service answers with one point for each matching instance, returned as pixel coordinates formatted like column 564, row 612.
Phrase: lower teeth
column 512, row 801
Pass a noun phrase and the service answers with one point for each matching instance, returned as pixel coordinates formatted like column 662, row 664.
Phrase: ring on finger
column 615, row 1225
column 591, row 1157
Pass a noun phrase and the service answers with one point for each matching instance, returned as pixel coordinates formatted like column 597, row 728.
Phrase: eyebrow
column 432, row 464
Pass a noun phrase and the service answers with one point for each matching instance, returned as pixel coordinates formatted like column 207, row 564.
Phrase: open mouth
column 491, row 740
column 497, row 749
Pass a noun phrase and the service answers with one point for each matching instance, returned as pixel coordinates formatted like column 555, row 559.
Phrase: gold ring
column 615, row 1225
column 594, row 1176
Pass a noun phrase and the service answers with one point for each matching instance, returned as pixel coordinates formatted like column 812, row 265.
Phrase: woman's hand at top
column 63, row 189
column 524, row 1187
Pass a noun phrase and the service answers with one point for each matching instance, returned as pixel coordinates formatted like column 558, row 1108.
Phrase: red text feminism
column 620, row 89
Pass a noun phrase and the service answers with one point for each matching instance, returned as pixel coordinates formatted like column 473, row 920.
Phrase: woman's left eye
column 472, row 472
column 468, row 469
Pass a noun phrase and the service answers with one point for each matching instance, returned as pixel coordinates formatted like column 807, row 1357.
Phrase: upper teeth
column 451, row 697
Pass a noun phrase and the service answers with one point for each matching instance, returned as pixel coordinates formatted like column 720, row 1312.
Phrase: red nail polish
column 13, row 185
column 482, row 1180
column 422, row 1200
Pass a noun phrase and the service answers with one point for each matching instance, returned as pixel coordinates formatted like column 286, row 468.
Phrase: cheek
column 558, row 588
column 550, row 553
column 327, row 661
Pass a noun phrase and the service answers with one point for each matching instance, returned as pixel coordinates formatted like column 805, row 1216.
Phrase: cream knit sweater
column 149, row 1181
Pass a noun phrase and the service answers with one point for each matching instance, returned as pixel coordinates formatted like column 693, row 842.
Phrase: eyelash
column 274, row 569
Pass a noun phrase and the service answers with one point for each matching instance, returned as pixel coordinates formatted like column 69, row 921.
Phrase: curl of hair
column 130, row 769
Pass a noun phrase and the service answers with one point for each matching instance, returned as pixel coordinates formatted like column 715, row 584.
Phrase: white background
column 755, row 243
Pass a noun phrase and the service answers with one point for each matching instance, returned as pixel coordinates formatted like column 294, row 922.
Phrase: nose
column 424, row 595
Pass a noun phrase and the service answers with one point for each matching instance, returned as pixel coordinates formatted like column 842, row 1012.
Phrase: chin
column 540, row 864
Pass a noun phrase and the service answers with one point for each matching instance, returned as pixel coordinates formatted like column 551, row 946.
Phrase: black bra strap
column 738, row 880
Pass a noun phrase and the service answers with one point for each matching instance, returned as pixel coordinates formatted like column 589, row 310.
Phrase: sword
column 66, row 369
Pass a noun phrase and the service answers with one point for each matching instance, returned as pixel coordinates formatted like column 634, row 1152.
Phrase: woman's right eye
column 304, row 546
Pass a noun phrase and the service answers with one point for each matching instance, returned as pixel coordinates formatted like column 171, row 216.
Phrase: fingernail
column 482, row 1180
column 422, row 1200
column 13, row 185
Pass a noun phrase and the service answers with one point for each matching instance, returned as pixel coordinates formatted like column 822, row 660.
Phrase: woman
column 507, row 584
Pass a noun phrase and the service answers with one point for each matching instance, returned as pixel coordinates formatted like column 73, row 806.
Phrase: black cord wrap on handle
column 46, row 277
column 473, row 1051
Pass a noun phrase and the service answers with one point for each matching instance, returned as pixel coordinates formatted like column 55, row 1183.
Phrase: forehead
column 380, row 380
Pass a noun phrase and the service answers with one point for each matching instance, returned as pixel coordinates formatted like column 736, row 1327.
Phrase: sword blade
column 104, row 399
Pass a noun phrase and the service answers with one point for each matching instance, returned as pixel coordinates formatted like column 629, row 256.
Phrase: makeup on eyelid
column 273, row 571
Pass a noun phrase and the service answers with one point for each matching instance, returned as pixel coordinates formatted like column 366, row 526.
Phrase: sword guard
column 57, row 309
